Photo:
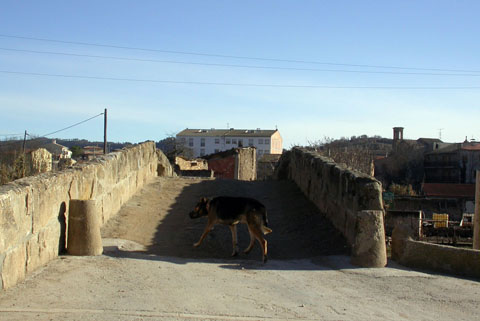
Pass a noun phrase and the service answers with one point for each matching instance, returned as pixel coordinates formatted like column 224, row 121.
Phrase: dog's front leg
column 208, row 228
column 233, row 229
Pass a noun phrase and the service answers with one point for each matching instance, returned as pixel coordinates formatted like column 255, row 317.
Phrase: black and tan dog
column 230, row 211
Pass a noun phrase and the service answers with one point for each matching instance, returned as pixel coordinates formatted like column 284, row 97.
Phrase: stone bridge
column 327, row 226
column 338, row 210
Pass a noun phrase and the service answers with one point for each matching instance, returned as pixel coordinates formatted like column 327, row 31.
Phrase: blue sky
column 431, row 49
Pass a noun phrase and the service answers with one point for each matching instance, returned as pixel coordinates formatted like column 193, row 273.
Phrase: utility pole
column 476, row 217
column 24, row 141
column 105, row 132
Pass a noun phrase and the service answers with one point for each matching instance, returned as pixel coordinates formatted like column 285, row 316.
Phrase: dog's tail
column 265, row 228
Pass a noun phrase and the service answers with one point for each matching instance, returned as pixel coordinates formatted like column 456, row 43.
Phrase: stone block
column 16, row 215
column 369, row 248
column 49, row 196
column 45, row 246
column 14, row 266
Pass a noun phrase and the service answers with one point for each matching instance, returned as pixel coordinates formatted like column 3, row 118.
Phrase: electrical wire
column 233, row 56
column 237, row 66
column 5, row 135
column 76, row 124
column 8, row 143
column 239, row 84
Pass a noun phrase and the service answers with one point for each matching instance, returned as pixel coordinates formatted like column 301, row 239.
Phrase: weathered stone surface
column 49, row 196
column 428, row 256
column 39, row 161
column 369, row 249
column 34, row 210
column 84, row 228
column 45, row 246
column 401, row 233
column 13, row 268
column 16, row 214
column 342, row 194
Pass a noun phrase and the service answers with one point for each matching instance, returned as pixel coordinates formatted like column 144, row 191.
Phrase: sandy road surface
column 146, row 279
column 158, row 218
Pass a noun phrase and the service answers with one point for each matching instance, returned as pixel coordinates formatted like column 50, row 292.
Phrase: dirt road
column 158, row 275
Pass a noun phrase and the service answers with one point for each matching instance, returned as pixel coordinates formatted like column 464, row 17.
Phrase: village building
column 90, row 152
column 58, row 151
column 209, row 141
column 454, row 164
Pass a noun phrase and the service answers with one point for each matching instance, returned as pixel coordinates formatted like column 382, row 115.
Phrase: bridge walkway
column 157, row 218
column 150, row 271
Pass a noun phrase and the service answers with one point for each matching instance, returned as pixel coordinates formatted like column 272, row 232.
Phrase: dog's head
column 201, row 209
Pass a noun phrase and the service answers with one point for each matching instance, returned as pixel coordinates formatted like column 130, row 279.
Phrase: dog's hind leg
column 252, row 241
column 233, row 229
column 208, row 228
column 263, row 242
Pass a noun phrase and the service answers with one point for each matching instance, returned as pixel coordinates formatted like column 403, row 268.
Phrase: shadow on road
column 300, row 231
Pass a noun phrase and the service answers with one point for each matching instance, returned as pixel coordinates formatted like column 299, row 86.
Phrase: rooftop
column 228, row 132
column 449, row 190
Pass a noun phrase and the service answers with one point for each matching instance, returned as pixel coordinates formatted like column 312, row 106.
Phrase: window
column 216, row 150
column 267, row 142
column 228, row 141
column 250, row 142
column 217, row 140
column 260, row 141
column 234, row 141
column 202, row 152
column 240, row 143
column 183, row 140
column 190, row 142
column 202, row 142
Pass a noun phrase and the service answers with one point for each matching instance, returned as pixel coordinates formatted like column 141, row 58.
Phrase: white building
column 208, row 141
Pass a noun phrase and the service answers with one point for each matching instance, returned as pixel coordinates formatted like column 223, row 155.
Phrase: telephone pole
column 24, row 141
column 476, row 216
column 105, row 132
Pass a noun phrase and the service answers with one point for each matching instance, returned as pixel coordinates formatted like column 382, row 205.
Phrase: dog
column 230, row 211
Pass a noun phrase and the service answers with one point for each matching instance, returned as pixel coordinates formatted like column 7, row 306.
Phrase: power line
column 231, row 84
column 5, row 135
column 238, row 66
column 8, row 143
column 237, row 84
column 76, row 124
column 233, row 56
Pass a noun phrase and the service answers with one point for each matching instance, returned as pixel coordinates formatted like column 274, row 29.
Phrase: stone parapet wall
column 351, row 200
column 34, row 210
column 433, row 257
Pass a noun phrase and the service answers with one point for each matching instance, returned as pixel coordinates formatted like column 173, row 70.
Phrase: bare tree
column 172, row 148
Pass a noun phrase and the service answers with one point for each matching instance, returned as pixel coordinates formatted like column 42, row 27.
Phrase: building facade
column 455, row 164
column 209, row 141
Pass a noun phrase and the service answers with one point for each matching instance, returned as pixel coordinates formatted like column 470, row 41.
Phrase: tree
column 348, row 152
column 77, row 151
column 172, row 148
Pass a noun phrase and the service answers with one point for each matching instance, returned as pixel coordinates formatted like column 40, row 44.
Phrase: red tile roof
column 471, row 147
column 449, row 190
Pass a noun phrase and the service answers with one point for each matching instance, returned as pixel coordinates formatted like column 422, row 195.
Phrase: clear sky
column 316, row 68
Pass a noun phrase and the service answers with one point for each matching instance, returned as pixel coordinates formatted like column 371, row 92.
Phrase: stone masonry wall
column 351, row 200
column 246, row 164
column 34, row 210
